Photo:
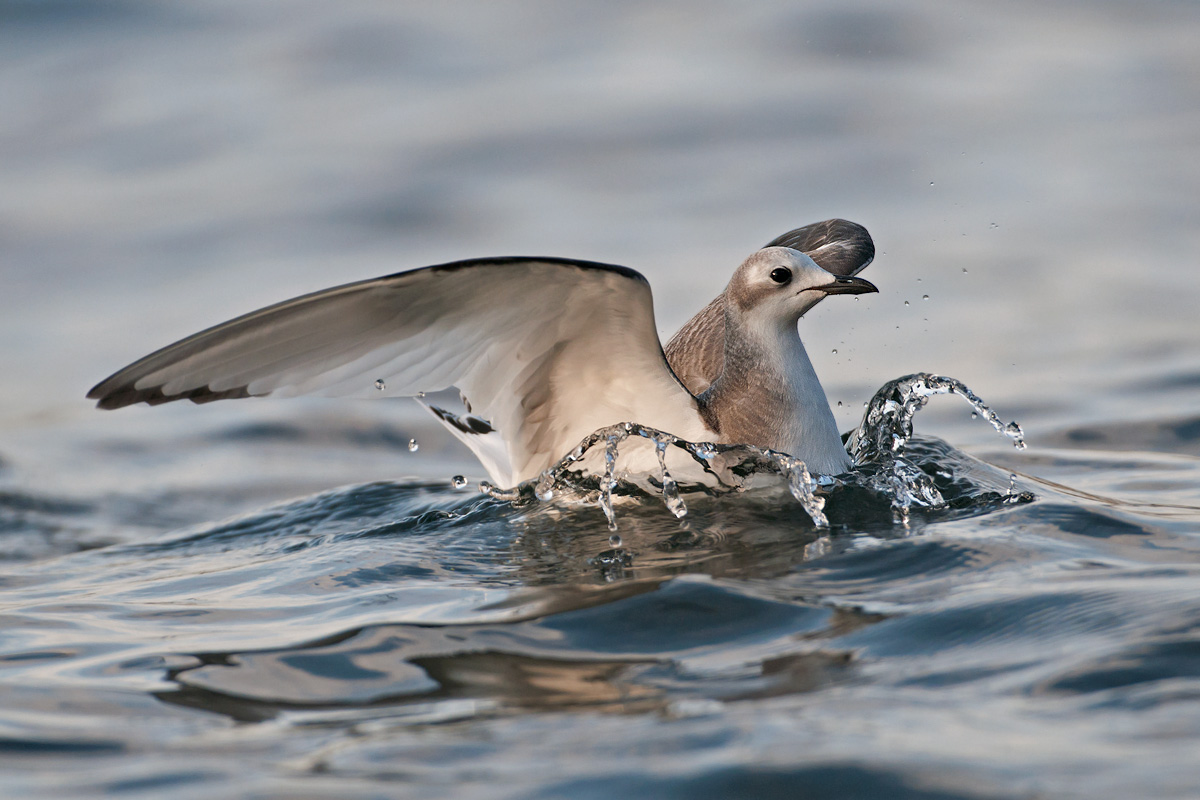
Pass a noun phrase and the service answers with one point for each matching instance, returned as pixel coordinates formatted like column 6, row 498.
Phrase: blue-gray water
column 279, row 599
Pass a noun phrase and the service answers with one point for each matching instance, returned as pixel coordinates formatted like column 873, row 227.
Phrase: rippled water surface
column 281, row 599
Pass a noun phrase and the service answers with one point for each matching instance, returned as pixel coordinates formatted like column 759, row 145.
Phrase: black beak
column 847, row 285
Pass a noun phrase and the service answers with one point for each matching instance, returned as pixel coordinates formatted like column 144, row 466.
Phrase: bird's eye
column 781, row 275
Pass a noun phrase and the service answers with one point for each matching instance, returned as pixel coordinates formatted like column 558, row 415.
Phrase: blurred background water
column 192, row 606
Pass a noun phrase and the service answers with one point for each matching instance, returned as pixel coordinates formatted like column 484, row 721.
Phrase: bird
column 543, row 350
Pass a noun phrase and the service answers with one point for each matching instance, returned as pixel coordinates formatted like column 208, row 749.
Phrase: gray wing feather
column 547, row 351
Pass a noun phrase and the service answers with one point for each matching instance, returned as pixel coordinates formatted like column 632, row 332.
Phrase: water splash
column 670, row 489
column 458, row 482
column 544, row 490
column 737, row 464
column 886, row 429
column 886, row 426
column 507, row 495
column 609, row 481
column 876, row 447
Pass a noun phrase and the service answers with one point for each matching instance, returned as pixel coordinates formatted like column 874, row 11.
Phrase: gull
column 543, row 351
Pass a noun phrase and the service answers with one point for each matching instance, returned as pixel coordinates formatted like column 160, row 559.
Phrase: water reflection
column 630, row 654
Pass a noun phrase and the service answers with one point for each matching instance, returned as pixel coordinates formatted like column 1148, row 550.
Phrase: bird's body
column 545, row 351
column 768, row 395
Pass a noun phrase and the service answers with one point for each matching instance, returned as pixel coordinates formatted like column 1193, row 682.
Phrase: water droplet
column 964, row 270
column 379, row 384
column 458, row 482
column 994, row 225
column 905, row 302
column 413, row 446
column 615, row 540
column 420, row 394
column 835, row 351
column 974, row 415
column 1013, row 431
column 924, row 297
column 931, row 183
column 839, row 403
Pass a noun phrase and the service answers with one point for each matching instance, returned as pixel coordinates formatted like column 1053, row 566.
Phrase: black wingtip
column 119, row 397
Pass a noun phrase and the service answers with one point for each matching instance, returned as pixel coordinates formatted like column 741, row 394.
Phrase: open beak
column 847, row 285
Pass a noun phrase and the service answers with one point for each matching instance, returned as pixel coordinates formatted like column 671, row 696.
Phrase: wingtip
column 101, row 395
column 109, row 399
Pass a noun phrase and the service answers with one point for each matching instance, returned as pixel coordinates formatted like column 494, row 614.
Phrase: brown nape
column 128, row 396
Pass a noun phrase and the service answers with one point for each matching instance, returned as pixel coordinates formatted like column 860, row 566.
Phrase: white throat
column 811, row 432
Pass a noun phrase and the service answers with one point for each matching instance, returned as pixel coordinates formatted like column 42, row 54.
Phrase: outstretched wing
column 697, row 351
column 545, row 350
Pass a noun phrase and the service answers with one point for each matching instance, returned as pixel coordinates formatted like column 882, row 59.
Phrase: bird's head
column 781, row 284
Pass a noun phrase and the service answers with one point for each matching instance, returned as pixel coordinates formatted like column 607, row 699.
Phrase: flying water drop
column 413, row 446
column 458, row 482
column 380, row 384
column 1013, row 431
